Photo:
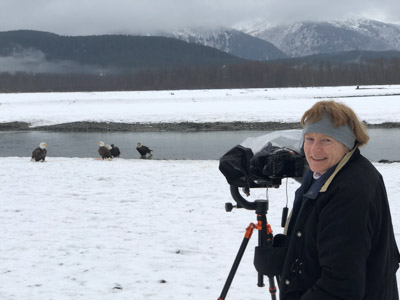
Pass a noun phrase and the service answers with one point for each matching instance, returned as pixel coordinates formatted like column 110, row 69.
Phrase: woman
column 342, row 244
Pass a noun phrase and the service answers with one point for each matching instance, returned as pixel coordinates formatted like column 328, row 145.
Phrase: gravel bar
column 159, row 127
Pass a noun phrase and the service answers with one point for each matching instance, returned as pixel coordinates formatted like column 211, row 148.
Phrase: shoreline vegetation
column 159, row 127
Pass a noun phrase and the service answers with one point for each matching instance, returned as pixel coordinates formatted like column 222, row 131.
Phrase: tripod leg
column 260, row 282
column 236, row 263
column 265, row 239
column 272, row 288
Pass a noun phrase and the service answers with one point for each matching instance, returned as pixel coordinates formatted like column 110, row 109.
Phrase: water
column 384, row 143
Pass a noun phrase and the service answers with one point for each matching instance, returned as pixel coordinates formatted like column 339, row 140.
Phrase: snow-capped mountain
column 233, row 42
column 387, row 33
column 307, row 38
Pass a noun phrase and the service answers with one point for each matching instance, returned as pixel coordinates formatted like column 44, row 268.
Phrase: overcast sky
column 82, row 17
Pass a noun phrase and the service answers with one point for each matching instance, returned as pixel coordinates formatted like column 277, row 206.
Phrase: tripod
column 264, row 239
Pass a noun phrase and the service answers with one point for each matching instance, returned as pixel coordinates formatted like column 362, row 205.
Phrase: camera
column 277, row 155
column 274, row 163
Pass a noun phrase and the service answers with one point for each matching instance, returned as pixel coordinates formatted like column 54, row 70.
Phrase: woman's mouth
column 318, row 158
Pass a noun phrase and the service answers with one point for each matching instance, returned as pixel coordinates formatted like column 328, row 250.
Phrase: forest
column 238, row 75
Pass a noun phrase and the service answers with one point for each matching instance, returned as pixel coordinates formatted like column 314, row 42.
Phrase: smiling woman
column 330, row 131
column 341, row 190
column 322, row 152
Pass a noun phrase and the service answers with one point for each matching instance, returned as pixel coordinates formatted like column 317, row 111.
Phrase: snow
column 373, row 104
column 301, row 39
column 217, row 37
column 82, row 228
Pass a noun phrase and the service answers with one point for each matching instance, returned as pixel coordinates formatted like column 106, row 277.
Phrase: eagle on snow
column 115, row 151
column 39, row 154
column 104, row 151
column 145, row 152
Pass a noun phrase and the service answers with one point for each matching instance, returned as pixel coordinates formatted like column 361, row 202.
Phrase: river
column 384, row 143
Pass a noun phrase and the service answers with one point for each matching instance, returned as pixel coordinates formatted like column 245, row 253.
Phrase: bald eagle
column 40, row 152
column 115, row 151
column 103, row 151
column 143, row 150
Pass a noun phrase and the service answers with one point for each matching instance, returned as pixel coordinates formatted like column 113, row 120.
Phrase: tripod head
column 260, row 206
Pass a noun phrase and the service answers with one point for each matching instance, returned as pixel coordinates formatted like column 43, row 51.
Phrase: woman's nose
column 316, row 146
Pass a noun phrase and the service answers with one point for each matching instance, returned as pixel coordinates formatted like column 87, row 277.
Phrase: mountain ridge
column 310, row 37
column 231, row 41
column 37, row 51
column 350, row 41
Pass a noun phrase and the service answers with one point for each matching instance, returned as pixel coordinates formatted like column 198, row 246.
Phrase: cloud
column 82, row 17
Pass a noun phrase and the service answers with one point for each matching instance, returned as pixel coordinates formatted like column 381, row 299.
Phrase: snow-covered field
column 76, row 228
column 373, row 104
column 81, row 228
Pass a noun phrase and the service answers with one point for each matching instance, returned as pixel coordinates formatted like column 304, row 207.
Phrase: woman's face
column 322, row 151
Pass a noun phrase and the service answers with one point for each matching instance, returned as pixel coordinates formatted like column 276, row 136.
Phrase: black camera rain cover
column 260, row 159
column 247, row 162
column 235, row 165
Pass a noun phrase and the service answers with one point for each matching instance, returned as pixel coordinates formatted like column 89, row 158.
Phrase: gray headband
column 325, row 126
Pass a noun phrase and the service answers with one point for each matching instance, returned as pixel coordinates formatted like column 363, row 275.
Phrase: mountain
column 307, row 38
column 233, row 42
column 384, row 32
column 39, row 52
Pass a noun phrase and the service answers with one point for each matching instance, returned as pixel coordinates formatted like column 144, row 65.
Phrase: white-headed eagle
column 145, row 152
column 39, row 154
column 103, row 151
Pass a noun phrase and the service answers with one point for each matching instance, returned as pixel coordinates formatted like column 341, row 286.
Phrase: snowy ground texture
column 77, row 228
column 82, row 228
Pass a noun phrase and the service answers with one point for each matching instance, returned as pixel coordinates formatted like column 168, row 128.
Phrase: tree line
column 244, row 75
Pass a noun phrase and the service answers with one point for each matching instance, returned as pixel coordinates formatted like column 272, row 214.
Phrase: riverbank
column 159, row 127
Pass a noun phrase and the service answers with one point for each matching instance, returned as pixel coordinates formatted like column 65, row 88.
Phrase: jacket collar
column 340, row 165
column 313, row 186
column 321, row 184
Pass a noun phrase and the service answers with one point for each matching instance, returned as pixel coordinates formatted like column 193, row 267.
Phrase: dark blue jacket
column 342, row 243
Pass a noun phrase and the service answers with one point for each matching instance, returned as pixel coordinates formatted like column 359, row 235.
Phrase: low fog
column 35, row 61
